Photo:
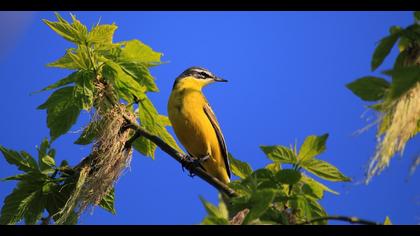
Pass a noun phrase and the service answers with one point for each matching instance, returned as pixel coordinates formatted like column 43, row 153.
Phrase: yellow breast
column 194, row 129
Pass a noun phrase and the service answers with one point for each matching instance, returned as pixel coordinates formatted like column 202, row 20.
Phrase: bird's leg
column 193, row 162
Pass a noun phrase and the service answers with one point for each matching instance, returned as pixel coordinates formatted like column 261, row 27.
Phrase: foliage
column 106, row 74
column 396, row 101
column 125, row 65
column 42, row 187
column 275, row 195
column 103, row 73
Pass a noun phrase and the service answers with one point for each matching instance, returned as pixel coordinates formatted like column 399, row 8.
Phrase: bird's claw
column 193, row 162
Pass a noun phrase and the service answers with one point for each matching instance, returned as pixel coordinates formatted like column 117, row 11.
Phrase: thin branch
column 181, row 158
column 132, row 139
column 353, row 220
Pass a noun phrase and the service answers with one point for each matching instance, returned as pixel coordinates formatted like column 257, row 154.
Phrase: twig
column 200, row 172
column 132, row 139
column 180, row 157
column 353, row 220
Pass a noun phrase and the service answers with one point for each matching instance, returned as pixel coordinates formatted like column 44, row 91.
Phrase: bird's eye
column 204, row 75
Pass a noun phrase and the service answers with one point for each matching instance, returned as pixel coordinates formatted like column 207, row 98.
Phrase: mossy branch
column 180, row 157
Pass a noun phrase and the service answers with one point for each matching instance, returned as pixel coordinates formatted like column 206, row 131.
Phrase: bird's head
column 196, row 77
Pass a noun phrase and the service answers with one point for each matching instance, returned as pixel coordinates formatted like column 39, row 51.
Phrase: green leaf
column 140, row 72
column 164, row 120
column 317, row 211
column 223, row 211
column 260, row 202
column 273, row 167
column 216, row 215
column 417, row 15
column 23, row 162
column 151, row 121
column 403, row 44
column 387, row 221
column 46, row 162
column 63, row 109
column 280, row 154
column 68, row 80
column 276, row 216
column 107, row 202
column 64, row 29
column 102, row 34
column 315, row 188
column 49, row 161
column 403, row 79
column 324, row 170
column 81, row 30
column 56, row 198
column 19, row 202
column 14, row 177
column 402, row 59
column 288, row 176
column 211, row 220
column 74, row 59
column 136, row 51
column 211, row 209
column 395, row 29
column 369, row 88
column 66, row 61
column 308, row 208
column 48, row 187
column 312, row 146
column 84, row 89
column 126, row 86
column 383, row 49
column 239, row 168
column 35, row 209
column 145, row 147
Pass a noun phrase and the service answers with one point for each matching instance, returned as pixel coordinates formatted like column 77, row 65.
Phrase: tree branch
column 180, row 157
column 353, row 220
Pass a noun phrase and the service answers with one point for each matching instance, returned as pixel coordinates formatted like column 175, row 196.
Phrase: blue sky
column 287, row 73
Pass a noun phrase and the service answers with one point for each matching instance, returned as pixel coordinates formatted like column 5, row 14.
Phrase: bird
column 195, row 123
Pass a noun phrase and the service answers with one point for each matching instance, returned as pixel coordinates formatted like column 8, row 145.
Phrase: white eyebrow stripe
column 208, row 73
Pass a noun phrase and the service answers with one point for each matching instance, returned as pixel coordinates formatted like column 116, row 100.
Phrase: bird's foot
column 193, row 162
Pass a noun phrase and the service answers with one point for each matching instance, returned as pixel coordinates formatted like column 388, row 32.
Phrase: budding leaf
column 280, row 154
column 260, row 201
column 108, row 202
column 63, row 109
column 312, row 146
column 324, row 170
column 23, row 162
column 383, row 49
column 102, row 34
column 239, row 168
column 288, row 176
column 369, row 88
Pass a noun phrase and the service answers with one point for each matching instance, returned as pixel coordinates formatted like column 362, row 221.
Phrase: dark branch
column 353, row 220
column 181, row 158
column 132, row 139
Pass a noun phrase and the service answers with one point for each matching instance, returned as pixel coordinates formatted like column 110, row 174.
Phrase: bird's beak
column 218, row 79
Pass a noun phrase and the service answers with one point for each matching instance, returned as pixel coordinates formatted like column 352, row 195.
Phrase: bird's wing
column 210, row 114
